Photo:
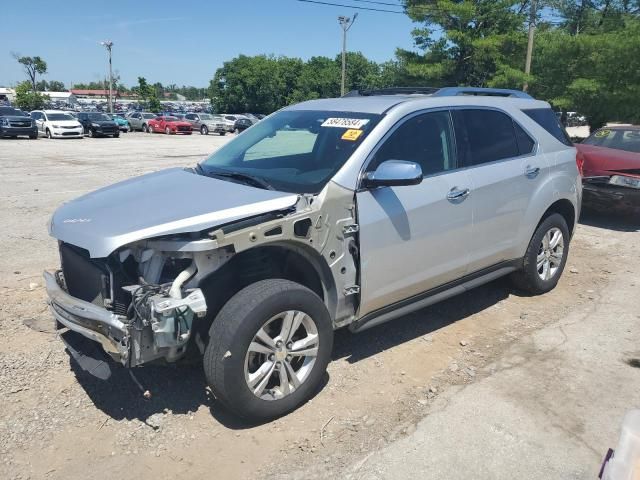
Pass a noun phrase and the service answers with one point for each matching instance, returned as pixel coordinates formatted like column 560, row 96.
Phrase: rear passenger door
column 414, row 238
column 505, row 171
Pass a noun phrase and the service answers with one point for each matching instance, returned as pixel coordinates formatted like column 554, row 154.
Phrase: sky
column 183, row 42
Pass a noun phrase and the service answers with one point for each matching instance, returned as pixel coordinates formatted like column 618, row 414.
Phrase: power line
column 351, row 6
column 380, row 3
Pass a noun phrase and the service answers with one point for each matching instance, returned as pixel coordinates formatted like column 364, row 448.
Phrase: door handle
column 458, row 194
column 531, row 172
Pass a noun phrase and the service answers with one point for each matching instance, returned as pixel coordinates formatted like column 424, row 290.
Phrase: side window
column 424, row 139
column 549, row 121
column 484, row 136
column 525, row 142
column 190, row 117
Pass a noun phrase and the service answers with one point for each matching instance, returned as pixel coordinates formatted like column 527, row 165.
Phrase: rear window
column 548, row 120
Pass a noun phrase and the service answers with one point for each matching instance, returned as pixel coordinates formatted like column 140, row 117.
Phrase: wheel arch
column 287, row 260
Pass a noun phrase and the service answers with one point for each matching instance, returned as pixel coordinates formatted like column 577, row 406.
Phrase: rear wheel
column 269, row 348
column 167, row 131
column 546, row 256
column 33, row 137
column 116, row 135
column 146, row 128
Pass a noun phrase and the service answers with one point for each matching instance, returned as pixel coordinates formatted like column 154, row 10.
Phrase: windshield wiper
column 242, row 177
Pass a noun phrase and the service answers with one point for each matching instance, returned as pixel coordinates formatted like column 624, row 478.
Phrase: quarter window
column 484, row 136
column 424, row 139
column 549, row 121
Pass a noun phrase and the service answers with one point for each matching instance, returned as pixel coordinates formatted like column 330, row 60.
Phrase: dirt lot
column 59, row 422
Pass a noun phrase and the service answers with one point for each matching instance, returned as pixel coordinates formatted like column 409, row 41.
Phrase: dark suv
column 97, row 124
column 14, row 122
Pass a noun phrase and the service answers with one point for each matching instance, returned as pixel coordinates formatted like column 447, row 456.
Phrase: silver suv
column 330, row 213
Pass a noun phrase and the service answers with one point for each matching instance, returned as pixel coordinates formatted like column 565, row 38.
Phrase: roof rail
column 440, row 92
column 491, row 92
column 392, row 91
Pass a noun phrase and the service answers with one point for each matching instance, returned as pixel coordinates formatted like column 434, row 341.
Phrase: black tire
column 92, row 133
column 49, row 136
column 527, row 278
column 204, row 130
column 234, row 329
column 146, row 128
column 222, row 134
column 116, row 135
column 33, row 137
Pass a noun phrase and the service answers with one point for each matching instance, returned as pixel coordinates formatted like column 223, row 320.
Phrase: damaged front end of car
column 135, row 303
column 150, row 299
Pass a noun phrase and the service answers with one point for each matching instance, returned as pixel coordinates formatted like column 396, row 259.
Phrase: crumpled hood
column 166, row 202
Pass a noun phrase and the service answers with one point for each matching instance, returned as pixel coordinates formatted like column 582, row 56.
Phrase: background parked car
column 140, row 120
column 168, row 125
column 122, row 122
column 15, row 123
column 610, row 162
column 242, row 124
column 57, row 124
column 206, row 122
column 97, row 124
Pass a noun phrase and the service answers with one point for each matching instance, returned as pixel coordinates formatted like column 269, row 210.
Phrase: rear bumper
column 87, row 319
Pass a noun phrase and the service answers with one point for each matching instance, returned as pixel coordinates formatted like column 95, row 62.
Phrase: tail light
column 580, row 162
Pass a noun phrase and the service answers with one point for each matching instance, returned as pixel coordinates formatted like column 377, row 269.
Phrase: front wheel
column 167, row 131
column 222, row 134
column 545, row 258
column 204, row 130
column 49, row 136
column 269, row 348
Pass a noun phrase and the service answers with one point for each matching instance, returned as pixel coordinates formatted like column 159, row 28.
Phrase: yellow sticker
column 602, row 133
column 351, row 135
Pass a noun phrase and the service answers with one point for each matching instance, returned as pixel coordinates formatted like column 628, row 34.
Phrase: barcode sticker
column 356, row 123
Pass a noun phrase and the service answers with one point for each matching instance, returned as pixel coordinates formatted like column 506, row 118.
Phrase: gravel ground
column 56, row 419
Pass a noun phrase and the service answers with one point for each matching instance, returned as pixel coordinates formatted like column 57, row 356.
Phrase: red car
column 169, row 125
column 610, row 164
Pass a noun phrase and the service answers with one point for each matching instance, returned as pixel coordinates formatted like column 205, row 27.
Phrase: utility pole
column 108, row 44
column 345, row 23
column 532, row 31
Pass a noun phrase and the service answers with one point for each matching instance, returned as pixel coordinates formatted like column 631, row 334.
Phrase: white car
column 57, row 124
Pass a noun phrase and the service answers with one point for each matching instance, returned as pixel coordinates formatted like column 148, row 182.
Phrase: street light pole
column 345, row 23
column 108, row 44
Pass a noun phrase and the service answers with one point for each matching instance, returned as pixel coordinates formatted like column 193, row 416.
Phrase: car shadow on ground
column 359, row 346
column 181, row 389
column 620, row 222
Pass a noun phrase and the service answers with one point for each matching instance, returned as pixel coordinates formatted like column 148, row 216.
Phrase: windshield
column 148, row 115
column 59, row 116
column 618, row 139
column 294, row 151
column 171, row 119
column 204, row 116
column 98, row 117
column 11, row 112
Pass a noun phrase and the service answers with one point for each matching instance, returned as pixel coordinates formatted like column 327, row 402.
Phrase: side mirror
column 393, row 173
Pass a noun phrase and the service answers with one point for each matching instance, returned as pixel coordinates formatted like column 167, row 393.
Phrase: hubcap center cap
column 281, row 354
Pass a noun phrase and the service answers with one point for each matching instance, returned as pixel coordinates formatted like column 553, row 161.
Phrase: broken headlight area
column 146, row 290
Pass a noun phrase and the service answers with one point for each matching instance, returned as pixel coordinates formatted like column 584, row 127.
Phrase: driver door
column 415, row 238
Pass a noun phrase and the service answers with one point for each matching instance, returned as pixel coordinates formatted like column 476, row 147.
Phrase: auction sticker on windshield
column 351, row 135
column 356, row 123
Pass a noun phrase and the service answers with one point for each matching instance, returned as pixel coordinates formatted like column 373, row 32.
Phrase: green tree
column 594, row 74
column 32, row 66
column 466, row 42
column 28, row 99
column 52, row 86
column 148, row 95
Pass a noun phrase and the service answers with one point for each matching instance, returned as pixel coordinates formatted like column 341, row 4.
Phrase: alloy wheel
column 550, row 254
column 281, row 355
